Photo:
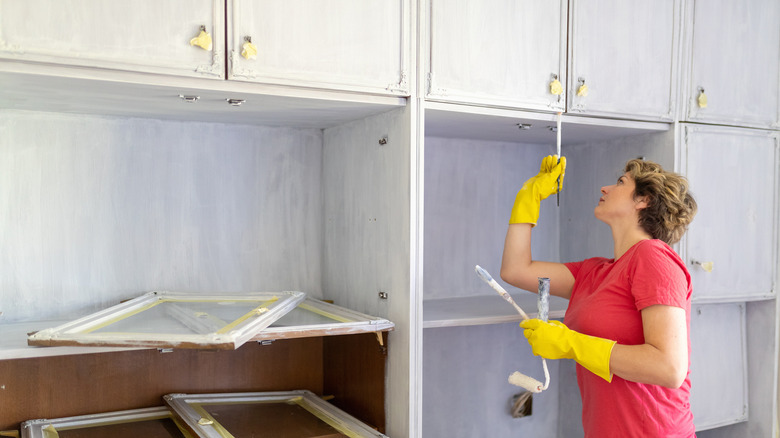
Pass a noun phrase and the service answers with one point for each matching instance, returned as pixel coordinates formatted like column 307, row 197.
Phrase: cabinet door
column 719, row 391
column 733, row 174
column 139, row 35
column 624, row 52
column 734, row 59
column 496, row 52
column 358, row 45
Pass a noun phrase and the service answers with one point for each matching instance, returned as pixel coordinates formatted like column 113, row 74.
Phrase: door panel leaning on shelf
column 623, row 57
column 733, row 174
column 734, row 63
column 355, row 45
column 142, row 35
column 496, row 52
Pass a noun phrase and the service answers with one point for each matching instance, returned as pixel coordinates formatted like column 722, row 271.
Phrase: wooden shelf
column 484, row 309
column 13, row 342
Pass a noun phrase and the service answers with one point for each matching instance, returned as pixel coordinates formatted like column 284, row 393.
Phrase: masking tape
column 262, row 308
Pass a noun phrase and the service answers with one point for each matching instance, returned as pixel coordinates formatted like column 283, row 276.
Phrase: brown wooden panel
column 354, row 372
column 62, row 386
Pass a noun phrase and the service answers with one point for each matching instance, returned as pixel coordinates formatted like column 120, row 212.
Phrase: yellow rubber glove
column 526, row 208
column 553, row 340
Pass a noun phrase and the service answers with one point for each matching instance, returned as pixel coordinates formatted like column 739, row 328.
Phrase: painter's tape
column 326, row 419
column 324, row 313
column 197, row 407
column 50, row 432
column 262, row 308
column 123, row 316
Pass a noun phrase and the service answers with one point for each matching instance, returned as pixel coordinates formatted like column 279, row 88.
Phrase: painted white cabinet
column 733, row 59
column 733, row 173
column 624, row 53
column 343, row 44
column 719, row 394
column 141, row 35
column 496, row 52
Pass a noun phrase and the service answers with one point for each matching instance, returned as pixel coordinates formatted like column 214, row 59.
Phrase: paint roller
column 517, row 378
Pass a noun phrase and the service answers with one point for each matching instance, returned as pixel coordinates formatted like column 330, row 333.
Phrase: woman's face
column 617, row 201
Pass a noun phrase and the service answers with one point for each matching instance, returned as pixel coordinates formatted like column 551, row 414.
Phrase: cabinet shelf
column 484, row 309
column 35, row 87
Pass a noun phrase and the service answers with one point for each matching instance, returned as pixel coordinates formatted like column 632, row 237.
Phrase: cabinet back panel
column 100, row 209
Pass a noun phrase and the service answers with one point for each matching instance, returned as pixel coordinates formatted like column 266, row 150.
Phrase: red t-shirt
column 606, row 301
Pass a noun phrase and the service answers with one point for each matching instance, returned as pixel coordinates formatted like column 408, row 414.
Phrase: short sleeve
column 658, row 276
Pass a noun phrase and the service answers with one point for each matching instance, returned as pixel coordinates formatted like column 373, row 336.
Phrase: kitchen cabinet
column 625, row 53
column 145, row 35
column 346, row 44
column 732, row 60
column 497, row 52
column 731, row 246
column 364, row 47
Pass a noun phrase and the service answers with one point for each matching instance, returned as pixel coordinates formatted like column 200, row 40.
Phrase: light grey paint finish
column 351, row 44
column 626, row 52
column 570, row 402
column 465, row 389
column 498, row 52
column 733, row 52
column 761, row 324
column 470, row 188
column 737, row 232
column 590, row 167
column 98, row 209
column 69, row 90
column 719, row 373
column 502, row 125
column 367, row 249
column 142, row 35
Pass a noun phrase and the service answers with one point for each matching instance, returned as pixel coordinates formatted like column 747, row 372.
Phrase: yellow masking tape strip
column 326, row 419
column 254, row 312
column 200, row 410
column 12, row 433
column 324, row 313
column 123, row 316
column 50, row 432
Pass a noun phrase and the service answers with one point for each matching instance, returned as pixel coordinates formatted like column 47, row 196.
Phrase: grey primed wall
column 96, row 209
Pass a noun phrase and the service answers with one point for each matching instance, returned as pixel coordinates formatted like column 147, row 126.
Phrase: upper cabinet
column 496, row 52
column 731, row 245
column 142, row 35
column 734, row 68
column 358, row 45
column 344, row 45
column 622, row 58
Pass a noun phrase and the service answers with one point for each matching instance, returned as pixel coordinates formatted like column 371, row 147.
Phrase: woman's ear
column 640, row 202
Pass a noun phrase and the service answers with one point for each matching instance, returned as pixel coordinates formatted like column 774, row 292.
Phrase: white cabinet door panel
column 334, row 44
column 625, row 52
column 735, row 59
column 496, row 52
column 733, row 174
column 719, row 391
column 139, row 35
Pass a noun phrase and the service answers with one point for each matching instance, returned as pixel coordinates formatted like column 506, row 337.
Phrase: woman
column 628, row 317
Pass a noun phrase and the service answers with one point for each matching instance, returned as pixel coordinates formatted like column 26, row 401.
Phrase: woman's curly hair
column 670, row 206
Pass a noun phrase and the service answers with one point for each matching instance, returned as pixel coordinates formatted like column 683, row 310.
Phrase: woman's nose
column 604, row 190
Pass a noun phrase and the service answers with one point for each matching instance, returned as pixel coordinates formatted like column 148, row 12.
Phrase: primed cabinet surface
column 497, row 52
column 141, row 35
column 734, row 57
column 718, row 393
column 625, row 51
column 351, row 44
column 733, row 173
